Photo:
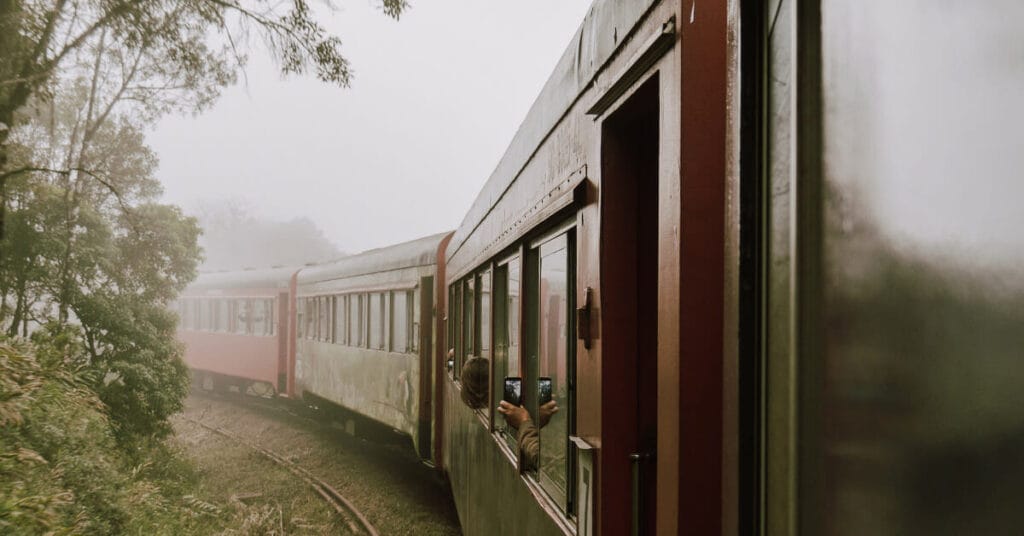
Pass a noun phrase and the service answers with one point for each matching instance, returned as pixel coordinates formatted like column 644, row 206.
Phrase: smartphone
column 544, row 391
column 513, row 391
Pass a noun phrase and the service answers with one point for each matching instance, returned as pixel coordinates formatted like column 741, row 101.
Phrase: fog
column 436, row 98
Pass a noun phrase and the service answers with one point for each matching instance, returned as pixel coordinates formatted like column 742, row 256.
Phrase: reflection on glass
column 922, row 424
column 468, row 302
column 552, row 362
column 512, row 326
column 506, row 324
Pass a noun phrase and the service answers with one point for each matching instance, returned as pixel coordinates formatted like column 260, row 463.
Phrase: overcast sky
column 436, row 98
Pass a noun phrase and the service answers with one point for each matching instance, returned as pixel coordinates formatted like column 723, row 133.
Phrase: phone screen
column 544, row 385
column 513, row 391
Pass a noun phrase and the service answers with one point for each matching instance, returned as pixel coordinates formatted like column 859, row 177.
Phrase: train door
column 281, row 330
column 425, row 314
column 629, row 268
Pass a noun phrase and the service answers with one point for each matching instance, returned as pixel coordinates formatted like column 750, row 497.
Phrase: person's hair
column 475, row 377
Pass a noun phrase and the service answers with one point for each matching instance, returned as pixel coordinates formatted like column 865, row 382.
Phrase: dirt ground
column 383, row 479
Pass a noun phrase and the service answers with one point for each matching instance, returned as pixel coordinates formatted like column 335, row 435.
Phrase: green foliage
column 59, row 461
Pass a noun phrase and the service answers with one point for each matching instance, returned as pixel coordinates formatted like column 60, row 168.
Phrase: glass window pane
column 223, row 315
column 340, row 319
column 468, row 303
column 241, row 316
column 259, row 316
column 376, row 329
column 921, row 377
column 325, row 318
column 414, row 319
column 552, row 363
column 355, row 330
column 484, row 343
column 400, row 322
column 506, row 341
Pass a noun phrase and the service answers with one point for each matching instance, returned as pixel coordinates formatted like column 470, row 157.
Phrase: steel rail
column 328, row 493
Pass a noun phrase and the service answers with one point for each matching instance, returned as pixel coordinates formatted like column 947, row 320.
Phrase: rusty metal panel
column 415, row 253
column 264, row 278
column 379, row 385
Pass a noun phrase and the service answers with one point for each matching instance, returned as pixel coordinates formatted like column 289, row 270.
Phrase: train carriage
column 365, row 332
column 570, row 266
column 235, row 329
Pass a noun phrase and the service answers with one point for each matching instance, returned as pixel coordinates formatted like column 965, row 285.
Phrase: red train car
column 235, row 329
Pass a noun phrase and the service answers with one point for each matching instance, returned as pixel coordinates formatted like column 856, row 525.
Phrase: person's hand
column 546, row 411
column 515, row 416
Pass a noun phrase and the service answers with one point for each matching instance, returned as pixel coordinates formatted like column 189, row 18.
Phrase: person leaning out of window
column 526, row 437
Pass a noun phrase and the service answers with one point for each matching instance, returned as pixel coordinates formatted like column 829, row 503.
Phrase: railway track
column 353, row 518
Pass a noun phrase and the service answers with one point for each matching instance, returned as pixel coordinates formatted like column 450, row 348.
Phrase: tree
column 38, row 38
column 233, row 238
column 82, row 237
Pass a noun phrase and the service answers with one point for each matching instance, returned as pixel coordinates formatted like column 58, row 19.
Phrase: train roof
column 418, row 252
column 251, row 278
column 606, row 26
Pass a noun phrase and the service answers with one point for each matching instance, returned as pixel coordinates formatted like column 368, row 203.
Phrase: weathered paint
column 377, row 384
column 380, row 385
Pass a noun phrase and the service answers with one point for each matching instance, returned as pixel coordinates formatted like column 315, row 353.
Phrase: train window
column 550, row 308
column 385, row 315
column 323, row 319
column 300, row 317
column 259, row 317
column 223, row 315
column 506, row 330
column 455, row 319
column 210, row 307
column 340, row 319
column 905, row 251
column 321, row 312
column 355, row 320
column 376, row 322
column 484, row 314
column 241, row 316
column 468, row 317
column 202, row 315
column 400, row 321
column 414, row 319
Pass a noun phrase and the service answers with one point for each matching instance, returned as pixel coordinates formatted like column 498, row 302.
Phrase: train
column 764, row 257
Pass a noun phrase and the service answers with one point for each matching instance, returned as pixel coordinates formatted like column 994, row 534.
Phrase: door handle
column 637, row 461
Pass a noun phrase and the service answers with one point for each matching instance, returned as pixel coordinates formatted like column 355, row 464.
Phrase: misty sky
column 436, row 98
